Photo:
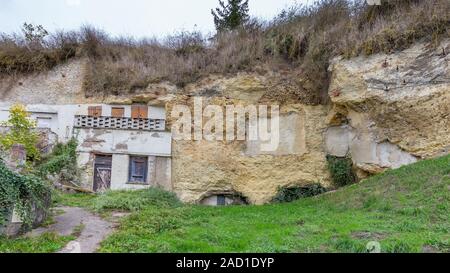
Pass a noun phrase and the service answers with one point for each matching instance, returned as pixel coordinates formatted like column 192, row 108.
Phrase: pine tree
column 231, row 15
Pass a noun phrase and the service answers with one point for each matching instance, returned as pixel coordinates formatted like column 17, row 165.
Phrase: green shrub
column 289, row 194
column 62, row 161
column 341, row 170
column 128, row 200
column 21, row 131
column 21, row 192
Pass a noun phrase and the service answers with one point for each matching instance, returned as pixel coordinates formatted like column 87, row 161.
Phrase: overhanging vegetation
column 305, row 38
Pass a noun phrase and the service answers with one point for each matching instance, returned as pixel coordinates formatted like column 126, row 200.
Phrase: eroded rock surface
column 390, row 110
column 385, row 111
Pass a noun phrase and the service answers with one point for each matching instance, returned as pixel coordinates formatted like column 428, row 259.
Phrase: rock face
column 390, row 110
column 62, row 85
column 203, row 168
column 386, row 111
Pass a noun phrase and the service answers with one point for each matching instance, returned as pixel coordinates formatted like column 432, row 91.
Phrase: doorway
column 102, row 173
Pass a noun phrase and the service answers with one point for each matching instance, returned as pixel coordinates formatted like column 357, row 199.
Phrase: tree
column 34, row 35
column 21, row 131
column 231, row 15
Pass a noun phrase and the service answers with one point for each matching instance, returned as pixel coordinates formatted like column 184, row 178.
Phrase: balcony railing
column 120, row 123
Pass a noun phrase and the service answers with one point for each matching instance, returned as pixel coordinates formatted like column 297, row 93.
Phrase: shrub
column 128, row 200
column 21, row 192
column 21, row 131
column 302, row 37
column 62, row 161
column 341, row 170
column 289, row 194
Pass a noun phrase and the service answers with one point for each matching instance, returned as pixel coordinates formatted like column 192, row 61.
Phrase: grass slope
column 46, row 243
column 406, row 210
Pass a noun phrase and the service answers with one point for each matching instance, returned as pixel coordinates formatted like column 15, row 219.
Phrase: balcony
column 120, row 123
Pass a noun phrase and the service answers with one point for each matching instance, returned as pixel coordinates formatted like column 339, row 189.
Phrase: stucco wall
column 158, row 172
column 113, row 141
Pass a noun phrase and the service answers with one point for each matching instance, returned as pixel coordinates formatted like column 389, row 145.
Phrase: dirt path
column 89, row 228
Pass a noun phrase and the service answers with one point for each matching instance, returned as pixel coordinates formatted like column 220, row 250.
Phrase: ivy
column 21, row 192
column 62, row 161
column 341, row 170
column 289, row 194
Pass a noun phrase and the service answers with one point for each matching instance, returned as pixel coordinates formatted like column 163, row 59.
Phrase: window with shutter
column 138, row 169
column 117, row 112
column 139, row 111
column 95, row 111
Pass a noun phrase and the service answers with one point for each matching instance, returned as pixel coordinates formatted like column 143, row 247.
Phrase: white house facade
column 119, row 146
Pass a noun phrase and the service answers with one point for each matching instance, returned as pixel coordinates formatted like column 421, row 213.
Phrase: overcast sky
column 138, row 18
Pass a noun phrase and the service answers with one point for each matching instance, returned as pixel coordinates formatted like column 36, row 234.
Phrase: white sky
column 138, row 18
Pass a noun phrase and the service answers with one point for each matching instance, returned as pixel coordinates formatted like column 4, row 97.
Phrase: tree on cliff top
column 231, row 15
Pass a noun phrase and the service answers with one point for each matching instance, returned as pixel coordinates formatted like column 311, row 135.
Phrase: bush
column 21, row 131
column 128, row 200
column 289, row 194
column 304, row 38
column 23, row 193
column 341, row 170
column 62, row 161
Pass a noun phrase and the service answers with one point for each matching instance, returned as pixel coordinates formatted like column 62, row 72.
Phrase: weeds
column 289, row 194
column 302, row 37
column 341, row 170
column 135, row 200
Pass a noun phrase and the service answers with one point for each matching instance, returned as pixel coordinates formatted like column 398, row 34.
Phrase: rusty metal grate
column 120, row 123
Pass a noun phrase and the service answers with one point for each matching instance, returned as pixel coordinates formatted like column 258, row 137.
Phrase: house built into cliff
column 120, row 146
column 385, row 111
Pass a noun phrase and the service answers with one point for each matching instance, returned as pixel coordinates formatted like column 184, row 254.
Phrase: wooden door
column 139, row 111
column 102, row 173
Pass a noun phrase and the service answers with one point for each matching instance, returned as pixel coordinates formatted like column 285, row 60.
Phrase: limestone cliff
column 390, row 110
column 385, row 111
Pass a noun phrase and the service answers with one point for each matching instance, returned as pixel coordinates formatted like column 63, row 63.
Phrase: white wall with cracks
column 120, row 144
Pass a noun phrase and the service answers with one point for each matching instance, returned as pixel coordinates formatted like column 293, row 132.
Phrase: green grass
column 406, row 210
column 46, row 243
column 74, row 200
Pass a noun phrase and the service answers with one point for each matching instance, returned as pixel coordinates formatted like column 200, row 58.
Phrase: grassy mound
column 406, row 210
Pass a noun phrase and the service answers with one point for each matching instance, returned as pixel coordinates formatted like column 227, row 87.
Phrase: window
column 221, row 200
column 43, row 122
column 117, row 112
column 95, row 111
column 139, row 111
column 138, row 170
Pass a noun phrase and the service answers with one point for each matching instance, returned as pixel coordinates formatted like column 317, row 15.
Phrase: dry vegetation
column 300, row 38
